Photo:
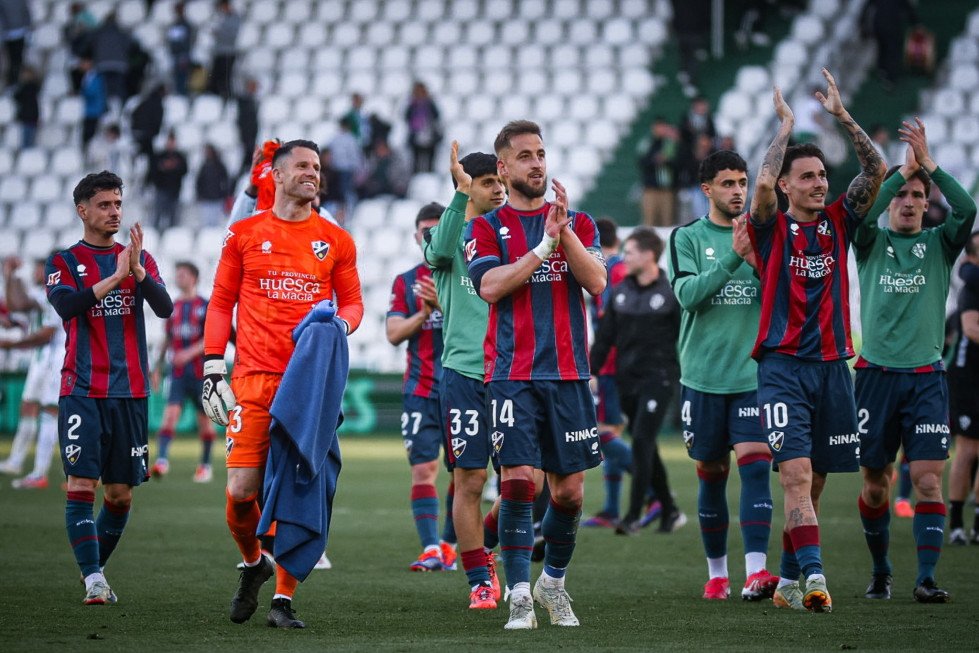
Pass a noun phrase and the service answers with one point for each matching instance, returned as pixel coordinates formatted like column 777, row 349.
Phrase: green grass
column 174, row 573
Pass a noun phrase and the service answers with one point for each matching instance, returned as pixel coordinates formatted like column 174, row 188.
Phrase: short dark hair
column 431, row 211
column 92, row 184
column 919, row 174
column 514, row 128
column 801, row 151
column 607, row 234
column 476, row 165
column 971, row 248
column 720, row 160
column 647, row 240
column 287, row 148
column 190, row 268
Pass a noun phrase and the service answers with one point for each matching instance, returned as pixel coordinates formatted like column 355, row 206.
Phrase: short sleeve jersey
column 805, row 309
column 105, row 350
column 538, row 332
column 275, row 271
column 424, row 350
column 185, row 326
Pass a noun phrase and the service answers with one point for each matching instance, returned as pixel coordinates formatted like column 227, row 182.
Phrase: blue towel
column 304, row 453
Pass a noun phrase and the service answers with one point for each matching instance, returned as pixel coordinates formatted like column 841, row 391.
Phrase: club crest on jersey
column 54, row 278
column 688, row 439
column 229, row 444
column 919, row 250
column 71, row 453
column 458, row 446
column 471, row 250
column 775, row 440
column 267, row 247
column 320, row 249
column 408, row 444
column 497, row 441
column 824, row 229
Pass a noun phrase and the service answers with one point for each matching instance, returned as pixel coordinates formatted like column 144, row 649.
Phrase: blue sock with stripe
column 929, row 532
column 755, row 511
column 560, row 529
column 163, row 439
column 207, row 444
column 712, row 512
column 877, row 531
column 618, row 459
column 82, row 534
column 516, row 529
column 805, row 539
column 788, row 568
column 425, row 508
column 449, row 526
column 491, row 531
column 110, row 524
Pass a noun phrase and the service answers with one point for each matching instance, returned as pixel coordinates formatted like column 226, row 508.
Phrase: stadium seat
column 601, row 135
column 515, row 32
column 177, row 242
column 514, row 107
column 346, row 35
column 949, row 102
column 963, row 49
column 620, row 107
column 330, row 12
column 652, row 31
column 599, row 55
column 498, row 10
column 954, row 157
column 279, row 35
column 618, row 31
column 532, row 10
column 46, row 188
column 425, row 187
column 972, row 26
column 937, row 128
column 10, row 242
column 808, row 29
column 206, row 109
column 402, row 213
column 753, row 79
column 790, row 53
column 974, row 102
column 533, row 82
column 361, row 57
column 567, row 82
column 296, row 12
column 463, row 11
column 59, row 216
column 381, row 35
column 735, row 105
column 7, row 110
column 198, row 12
column 6, row 162
column 498, row 56
column 413, row 33
column 825, row 9
column 548, row 32
column 362, row 12
column 965, row 129
column 599, row 82
column 69, row 111
column 32, row 162
column 37, row 243
column 638, row 82
column 130, row 13
column 45, row 37
column 964, row 76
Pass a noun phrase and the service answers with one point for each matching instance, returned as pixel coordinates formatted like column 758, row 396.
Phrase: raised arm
column 443, row 239
column 864, row 187
column 764, row 203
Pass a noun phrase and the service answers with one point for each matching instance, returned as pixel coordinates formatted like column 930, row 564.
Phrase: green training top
column 904, row 278
column 465, row 314
column 721, row 300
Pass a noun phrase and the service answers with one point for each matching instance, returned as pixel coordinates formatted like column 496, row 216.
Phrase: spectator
column 213, row 189
column 424, row 128
column 809, row 121
column 108, row 151
column 884, row 20
column 225, row 50
column 77, row 33
column 656, row 172
column 691, row 24
column 147, row 120
column 166, row 174
column 380, row 130
column 138, row 62
column 387, row 174
column 28, row 112
column 248, row 123
column 688, row 178
column 180, row 41
column 348, row 160
column 109, row 48
column 360, row 123
column 15, row 26
column 331, row 199
column 697, row 122
column 94, row 100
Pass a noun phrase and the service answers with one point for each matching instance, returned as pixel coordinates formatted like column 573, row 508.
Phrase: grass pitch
column 174, row 572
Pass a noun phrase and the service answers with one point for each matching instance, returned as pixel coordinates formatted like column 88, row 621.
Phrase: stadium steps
column 616, row 190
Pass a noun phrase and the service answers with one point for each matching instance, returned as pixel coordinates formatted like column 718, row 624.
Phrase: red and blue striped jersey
column 424, row 351
column 538, row 332
column 616, row 273
column 805, row 309
column 105, row 348
column 185, row 327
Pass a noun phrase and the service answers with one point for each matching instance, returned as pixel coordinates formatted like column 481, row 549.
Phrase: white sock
column 92, row 578
column 23, row 439
column 47, row 440
column 551, row 582
column 754, row 562
column 816, row 577
column 717, row 567
column 519, row 590
column 782, row 582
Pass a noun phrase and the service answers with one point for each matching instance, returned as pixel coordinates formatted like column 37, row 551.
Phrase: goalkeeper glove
column 217, row 397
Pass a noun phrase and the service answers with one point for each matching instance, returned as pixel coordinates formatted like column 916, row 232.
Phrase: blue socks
column 559, row 528
column 425, row 508
column 110, row 524
column 877, row 531
column 929, row 531
column 618, row 459
column 805, row 539
column 713, row 513
column 81, row 529
column 789, row 566
column 755, row 510
column 516, row 529
column 449, row 526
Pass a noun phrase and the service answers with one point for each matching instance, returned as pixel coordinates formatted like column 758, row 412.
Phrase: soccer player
column 536, row 363
column 804, row 387
column 185, row 342
column 98, row 287
column 479, row 190
column 642, row 322
column 718, row 292
column 414, row 315
column 901, row 391
column 617, row 453
column 275, row 265
column 39, row 401
column 963, row 379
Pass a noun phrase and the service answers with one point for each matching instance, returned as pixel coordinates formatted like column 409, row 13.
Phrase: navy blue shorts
column 807, row 411
column 186, row 387
column 104, row 438
column 714, row 423
column 609, row 408
column 896, row 408
column 963, row 403
column 421, row 428
column 464, row 421
column 546, row 424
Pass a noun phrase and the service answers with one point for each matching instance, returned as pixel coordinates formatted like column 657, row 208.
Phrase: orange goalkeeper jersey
column 275, row 271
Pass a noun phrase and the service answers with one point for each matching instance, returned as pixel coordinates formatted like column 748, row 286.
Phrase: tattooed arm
column 764, row 203
column 863, row 189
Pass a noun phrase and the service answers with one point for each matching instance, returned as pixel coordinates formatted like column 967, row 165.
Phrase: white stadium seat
column 32, row 162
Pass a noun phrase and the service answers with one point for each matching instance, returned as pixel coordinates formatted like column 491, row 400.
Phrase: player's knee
column 928, row 487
